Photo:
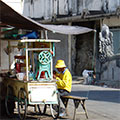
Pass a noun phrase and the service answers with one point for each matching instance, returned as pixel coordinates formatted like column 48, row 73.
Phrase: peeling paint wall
column 112, row 22
column 4, row 56
column 38, row 8
column 113, row 4
column 94, row 5
column 73, row 55
column 110, row 72
column 84, row 53
column 63, row 7
column 50, row 8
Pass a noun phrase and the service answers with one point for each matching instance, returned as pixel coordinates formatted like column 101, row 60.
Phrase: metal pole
column 9, row 53
column 94, row 53
column 26, row 46
column 51, row 62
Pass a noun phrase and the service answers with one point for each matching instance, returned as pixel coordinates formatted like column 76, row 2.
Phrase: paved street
column 102, row 104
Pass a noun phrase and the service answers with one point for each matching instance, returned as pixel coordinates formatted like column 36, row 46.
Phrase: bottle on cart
column 18, row 66
column 31, row 75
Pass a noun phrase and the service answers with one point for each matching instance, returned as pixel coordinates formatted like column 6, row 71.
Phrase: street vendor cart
column 33, row 83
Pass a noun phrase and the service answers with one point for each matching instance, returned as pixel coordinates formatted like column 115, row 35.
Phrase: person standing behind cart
column 63, row 81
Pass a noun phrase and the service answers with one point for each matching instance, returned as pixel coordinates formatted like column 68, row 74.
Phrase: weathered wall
column 73, row 54
column 84, row 53
column 112, row 22
column 110, row 72
column 49, row 8
column 4, row 56
column 38, row 8
column 61, row 48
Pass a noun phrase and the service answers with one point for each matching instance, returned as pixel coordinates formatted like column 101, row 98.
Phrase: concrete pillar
column 69, row 49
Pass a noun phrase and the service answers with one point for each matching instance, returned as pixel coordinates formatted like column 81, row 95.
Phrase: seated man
column 64, row 79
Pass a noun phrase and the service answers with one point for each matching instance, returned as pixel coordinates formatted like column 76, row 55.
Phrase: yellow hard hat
column 60, row 64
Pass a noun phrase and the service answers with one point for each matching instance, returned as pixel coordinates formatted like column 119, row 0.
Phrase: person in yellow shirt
column 63, row 81
column 64, row 78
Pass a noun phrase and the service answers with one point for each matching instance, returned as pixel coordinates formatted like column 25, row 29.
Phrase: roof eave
column 78, row 18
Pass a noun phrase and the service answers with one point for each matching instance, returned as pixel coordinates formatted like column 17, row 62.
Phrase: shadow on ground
column 100, row 95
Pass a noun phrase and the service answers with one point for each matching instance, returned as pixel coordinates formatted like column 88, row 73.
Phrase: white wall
column 17, row 5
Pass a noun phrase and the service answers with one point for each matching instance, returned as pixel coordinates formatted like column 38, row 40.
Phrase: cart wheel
column 22, row 104
column 38, row 106
column 44, row 109
column 55, row 109
column 9, row 102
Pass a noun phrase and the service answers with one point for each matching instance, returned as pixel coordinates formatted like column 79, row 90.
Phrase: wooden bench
column 76, row 101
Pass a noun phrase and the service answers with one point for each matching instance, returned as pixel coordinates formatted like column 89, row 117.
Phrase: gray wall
column 4, row 56
column 61, row 48
column 84, row 53
column 49, row 8
column 110, row 72
column 81, row 51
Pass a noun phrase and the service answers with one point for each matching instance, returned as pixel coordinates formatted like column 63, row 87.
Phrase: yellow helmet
column 60, row 64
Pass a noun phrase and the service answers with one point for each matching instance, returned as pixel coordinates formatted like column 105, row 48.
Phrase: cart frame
column 27, row 92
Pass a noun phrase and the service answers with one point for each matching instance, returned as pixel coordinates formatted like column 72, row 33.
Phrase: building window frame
column 116, row 42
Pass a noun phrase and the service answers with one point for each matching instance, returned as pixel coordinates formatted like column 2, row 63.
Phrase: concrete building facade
column 81, row 49
column 81, row 52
